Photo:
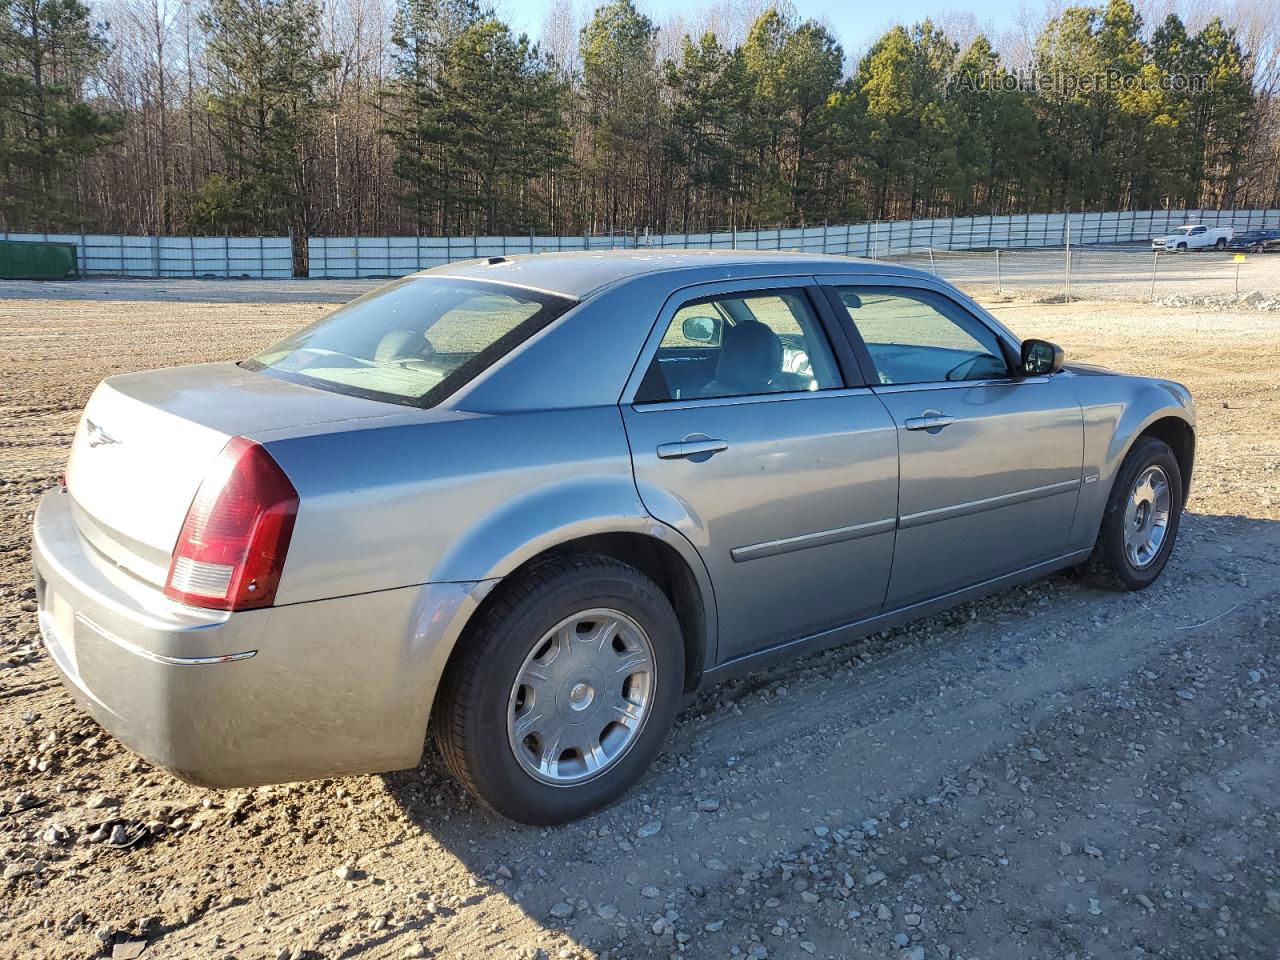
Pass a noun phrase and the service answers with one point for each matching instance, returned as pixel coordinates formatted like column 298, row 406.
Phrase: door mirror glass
column 1041, row 358
column 700, row 329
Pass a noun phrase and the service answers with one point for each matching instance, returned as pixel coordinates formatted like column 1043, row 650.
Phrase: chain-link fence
column 1110, row 272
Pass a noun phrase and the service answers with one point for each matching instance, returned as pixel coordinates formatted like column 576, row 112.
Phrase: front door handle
column 930, row 421
column 696, row 450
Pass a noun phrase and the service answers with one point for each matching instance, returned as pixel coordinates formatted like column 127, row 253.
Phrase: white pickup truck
column 1194, row 236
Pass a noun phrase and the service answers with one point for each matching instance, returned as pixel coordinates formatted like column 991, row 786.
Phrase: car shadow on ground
column 762, row 771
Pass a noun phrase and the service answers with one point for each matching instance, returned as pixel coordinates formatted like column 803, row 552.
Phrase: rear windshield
column 414, row 341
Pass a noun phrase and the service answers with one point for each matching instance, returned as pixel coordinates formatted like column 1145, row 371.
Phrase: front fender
column 1118, row 410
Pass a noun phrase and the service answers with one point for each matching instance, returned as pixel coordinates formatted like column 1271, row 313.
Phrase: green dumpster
column 30, row 260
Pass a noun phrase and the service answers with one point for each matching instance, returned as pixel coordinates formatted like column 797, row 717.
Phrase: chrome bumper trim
column 133, row 648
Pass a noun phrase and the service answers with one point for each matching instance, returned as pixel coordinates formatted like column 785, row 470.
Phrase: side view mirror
column 700, row 329
column 1041, row 358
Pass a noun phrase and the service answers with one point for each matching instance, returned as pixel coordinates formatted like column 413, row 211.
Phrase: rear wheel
column 1221, row 244
column 1141, row 520
column 564, row 692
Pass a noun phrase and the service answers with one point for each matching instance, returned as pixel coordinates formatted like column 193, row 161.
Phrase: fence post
column 932, row 266
column 1155, row 262
column 999, row 281
column 1239, row 258
column 1067, row 268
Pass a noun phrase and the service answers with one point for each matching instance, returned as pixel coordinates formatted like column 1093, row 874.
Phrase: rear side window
column 741, row 345
column 413, row 341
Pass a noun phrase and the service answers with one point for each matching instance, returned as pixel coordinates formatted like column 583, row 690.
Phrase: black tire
column 1221, row 244
column 469, row 723
column 1182, row 248
column 1110, row 564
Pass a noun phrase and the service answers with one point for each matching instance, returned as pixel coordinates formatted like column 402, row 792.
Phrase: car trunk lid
column 146, row 441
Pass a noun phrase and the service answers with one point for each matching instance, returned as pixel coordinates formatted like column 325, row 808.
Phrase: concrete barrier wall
column 353, row 257
column 116, row 255
column 350, row 257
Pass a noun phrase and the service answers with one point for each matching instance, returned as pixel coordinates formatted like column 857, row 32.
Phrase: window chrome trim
column 954, row 384
column 772, row 548
column 747, row 398
column 988, row 503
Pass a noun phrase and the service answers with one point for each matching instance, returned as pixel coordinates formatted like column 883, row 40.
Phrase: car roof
column 580, row 274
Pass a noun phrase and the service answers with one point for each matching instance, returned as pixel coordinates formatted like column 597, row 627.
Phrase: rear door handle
column 696, row 450
column 929, row 421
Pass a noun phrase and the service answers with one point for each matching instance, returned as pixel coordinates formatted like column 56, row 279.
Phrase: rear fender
column 543, row 519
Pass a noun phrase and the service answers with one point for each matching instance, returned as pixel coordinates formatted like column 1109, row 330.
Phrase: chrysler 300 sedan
column 526, row 505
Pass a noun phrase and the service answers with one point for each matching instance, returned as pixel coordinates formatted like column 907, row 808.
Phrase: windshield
column 1184, row 229
column 413, row 341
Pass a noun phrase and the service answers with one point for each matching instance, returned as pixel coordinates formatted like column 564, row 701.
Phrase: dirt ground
column 1057, row 772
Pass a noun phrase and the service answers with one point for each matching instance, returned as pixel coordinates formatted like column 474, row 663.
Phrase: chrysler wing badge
column 97, row 436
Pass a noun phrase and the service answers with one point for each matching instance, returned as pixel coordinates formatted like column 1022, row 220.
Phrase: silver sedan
column 527, row 505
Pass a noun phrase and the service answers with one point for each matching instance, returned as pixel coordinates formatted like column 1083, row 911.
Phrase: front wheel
column 1182, row 248
column 1140, row 523
column 564, row 692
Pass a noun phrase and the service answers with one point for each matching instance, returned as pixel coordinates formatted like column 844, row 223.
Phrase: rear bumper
column 297, row 692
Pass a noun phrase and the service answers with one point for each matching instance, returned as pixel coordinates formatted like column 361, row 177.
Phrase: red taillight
column 233, row 543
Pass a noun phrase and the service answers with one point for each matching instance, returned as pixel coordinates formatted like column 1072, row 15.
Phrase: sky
column 855, row 23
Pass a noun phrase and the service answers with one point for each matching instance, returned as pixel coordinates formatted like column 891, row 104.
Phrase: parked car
column 528, row 504
column 1258, row 241
column 1194, row 236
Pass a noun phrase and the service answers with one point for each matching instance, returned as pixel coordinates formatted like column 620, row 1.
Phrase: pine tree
column 620, row 87
column 998, row 138
column 265, row 100
column 709, row 92
column 488, row 125
column 48, row 51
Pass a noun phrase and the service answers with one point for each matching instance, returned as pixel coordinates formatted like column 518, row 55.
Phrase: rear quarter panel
column 441, row 500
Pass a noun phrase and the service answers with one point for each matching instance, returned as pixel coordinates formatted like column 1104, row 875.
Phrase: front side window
column 741, row 345
column 916, row 336
column 414, row 341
